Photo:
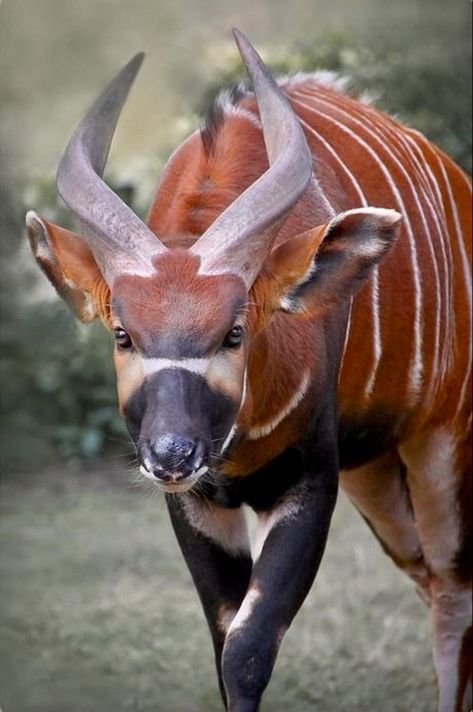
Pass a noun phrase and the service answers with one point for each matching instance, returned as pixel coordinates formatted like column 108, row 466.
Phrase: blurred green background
column 80, row 534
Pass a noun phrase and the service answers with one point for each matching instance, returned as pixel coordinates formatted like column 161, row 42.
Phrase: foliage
column 58, row 389
column 58, row 385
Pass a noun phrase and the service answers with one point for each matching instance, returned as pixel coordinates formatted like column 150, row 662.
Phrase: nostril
column 172, row 453
column 173, row 457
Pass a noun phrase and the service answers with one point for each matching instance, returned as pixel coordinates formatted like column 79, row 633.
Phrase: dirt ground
column 98, row 612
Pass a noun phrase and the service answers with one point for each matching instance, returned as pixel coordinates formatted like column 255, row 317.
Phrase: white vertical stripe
column 377, row 340
column 335, row 155
column 347, row 337
column 416, row 369
column 437, row 209
column 382, row 141
column 380, row 135
column 437, row 371
column 433, row 179
column 378, row 350
column 327, row 204
column 467, row 279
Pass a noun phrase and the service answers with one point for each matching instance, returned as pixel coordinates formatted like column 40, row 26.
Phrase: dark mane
column 215, row 115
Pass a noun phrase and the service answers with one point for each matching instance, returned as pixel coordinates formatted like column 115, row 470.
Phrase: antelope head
column 181, row 317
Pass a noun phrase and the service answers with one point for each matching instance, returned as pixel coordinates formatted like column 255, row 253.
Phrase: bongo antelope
column 273, row 329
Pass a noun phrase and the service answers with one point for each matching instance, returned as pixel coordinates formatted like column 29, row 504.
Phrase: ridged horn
column 240, row 238
column 119, row 240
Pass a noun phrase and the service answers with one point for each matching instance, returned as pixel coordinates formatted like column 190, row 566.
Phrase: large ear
column 70, row 266
column 318, row 269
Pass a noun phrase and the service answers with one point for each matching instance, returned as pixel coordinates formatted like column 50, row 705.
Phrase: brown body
column 413, row 387
column 420, row 377
column 400, row 348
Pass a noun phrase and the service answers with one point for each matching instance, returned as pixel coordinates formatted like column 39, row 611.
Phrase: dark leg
column 215, row 545
column 282, row 576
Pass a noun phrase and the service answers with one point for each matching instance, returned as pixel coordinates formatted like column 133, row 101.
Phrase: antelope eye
column 122, row 339
column 234, row 338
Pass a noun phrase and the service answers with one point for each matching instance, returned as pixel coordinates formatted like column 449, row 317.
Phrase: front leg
column 214, row 542
column 282, row 576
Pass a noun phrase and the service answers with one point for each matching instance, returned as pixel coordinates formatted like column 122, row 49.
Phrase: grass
column 99, row 613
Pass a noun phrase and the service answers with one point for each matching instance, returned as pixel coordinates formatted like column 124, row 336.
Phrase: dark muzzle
column 173, row 457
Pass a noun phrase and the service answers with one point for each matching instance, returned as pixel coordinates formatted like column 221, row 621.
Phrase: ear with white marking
column 315, row 271
column 69, row 265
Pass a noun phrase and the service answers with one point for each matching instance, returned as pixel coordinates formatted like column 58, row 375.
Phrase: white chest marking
column 225, row 527
column 261, row 431
column 268, row 520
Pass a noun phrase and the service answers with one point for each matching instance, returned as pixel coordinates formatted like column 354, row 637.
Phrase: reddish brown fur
column 179, row 297
column 197, row 185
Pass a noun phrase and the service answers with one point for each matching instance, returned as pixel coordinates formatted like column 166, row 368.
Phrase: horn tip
column 139, row 56
column 250, row 56
column 136, row 61
column 131, row 69
column 242, row 41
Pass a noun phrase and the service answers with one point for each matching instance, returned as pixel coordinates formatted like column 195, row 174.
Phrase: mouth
column 173, row 485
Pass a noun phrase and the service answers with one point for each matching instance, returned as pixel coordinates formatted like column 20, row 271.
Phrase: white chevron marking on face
column 194, row 365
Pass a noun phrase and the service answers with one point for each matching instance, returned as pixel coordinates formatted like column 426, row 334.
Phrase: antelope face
column 180, row 357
